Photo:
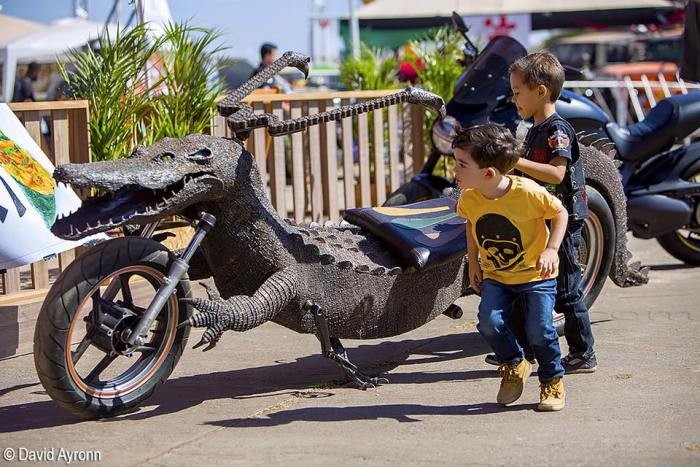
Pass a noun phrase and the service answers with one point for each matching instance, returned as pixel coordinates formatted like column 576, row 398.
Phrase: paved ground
column 265, row 397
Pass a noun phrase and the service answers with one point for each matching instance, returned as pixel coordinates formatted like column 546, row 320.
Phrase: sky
column 244, row 24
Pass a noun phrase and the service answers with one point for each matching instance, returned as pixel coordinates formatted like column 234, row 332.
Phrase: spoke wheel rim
column 147, row 363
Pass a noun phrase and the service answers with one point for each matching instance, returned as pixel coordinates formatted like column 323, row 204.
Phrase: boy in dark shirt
column 552, row 158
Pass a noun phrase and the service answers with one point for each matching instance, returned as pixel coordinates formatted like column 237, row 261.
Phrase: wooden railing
column 66, row 141
column 311, row 176
column 314, row 175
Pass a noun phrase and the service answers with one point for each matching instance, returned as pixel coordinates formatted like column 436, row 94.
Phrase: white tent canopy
column 391, row 9
column 12, row 28
column 46, row 46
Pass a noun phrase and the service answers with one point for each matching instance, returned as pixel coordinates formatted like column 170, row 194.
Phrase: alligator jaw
column 134, row 204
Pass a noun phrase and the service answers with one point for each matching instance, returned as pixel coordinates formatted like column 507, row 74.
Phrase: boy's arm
column 548, row 260
column 475, row 275
column 553, row 172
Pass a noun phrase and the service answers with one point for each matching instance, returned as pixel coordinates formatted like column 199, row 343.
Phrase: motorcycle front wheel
column 684, row 244
column 80, row 350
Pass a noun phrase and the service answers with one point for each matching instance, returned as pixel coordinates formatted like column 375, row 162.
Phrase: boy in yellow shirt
column 511, row 254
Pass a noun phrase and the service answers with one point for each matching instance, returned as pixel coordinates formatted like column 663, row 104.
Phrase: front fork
column 177, row 271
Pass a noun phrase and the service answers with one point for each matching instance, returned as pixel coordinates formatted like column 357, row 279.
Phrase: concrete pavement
column 266, row 397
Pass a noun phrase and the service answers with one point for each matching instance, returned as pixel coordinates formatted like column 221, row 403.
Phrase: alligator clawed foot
column 365, row 382
column 211, row 335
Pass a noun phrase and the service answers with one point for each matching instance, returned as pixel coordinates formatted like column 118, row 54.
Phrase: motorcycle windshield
column 488, row 78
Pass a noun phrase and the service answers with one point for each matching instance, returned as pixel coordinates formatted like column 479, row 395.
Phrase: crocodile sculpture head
column 163, row 179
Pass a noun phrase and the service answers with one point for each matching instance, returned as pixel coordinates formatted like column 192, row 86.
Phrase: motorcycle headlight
column 443, row 133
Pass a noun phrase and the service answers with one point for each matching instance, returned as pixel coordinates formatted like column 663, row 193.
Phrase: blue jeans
column 570, row 300
column 496, row 305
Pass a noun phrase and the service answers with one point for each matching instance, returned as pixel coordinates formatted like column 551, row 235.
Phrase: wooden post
column 277, row 169
column 315, row 169
column 297, row 167
column 379, row 175
column 393, row 148
column 417, row 115
column 329, row 167
column 348, row 164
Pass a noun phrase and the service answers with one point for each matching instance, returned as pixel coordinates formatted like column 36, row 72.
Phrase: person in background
column 24, row 87
column 268, row 54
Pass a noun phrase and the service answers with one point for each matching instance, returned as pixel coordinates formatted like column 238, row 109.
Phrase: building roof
column 395, row 9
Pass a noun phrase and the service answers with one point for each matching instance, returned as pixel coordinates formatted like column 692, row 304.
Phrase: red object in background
column 408, row 72
column 500, row 28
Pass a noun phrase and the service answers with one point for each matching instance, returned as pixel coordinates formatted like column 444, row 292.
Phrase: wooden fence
column 315, row 175
column 311, row 176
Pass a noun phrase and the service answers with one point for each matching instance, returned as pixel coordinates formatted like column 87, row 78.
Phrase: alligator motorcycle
column 116, row 321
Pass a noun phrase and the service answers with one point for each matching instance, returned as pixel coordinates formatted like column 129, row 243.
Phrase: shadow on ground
column 402, row 413
column 306, row 372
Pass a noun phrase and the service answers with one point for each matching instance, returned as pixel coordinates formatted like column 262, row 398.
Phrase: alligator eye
column 203, row 155
column 165, row 157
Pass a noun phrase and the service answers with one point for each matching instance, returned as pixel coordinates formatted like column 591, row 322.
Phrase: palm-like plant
column 190, row 76
column 111, row 79
column 126, row 109
column 438, row 52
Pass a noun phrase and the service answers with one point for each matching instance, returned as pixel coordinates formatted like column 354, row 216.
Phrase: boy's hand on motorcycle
column 475, row 278
column 547, row 262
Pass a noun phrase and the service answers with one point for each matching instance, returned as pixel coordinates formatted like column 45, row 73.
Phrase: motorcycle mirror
column 459, row 24
column 572, row 73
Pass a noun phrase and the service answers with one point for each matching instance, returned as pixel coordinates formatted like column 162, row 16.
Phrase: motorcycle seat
column 672, row 118
column 422, row 234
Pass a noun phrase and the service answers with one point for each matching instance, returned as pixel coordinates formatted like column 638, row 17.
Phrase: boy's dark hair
column 33, row 67
column 266, row 48
column 541, row 68
column 490, row 146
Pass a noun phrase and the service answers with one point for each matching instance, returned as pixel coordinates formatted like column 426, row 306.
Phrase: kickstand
column 334, row 350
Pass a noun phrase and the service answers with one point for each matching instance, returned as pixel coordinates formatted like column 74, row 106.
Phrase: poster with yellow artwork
column 30, row 199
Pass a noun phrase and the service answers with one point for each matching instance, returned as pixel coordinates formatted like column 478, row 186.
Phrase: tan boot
column 514, row 377
column 552, row 396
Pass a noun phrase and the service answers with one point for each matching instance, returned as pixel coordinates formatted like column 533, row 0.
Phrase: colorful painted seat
column 422, row 234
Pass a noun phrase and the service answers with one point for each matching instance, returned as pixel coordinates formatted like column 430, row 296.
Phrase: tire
column 69, row 311
column 685, row 244
column 408, row 193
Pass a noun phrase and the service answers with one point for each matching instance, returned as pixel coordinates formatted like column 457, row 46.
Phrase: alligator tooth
column 71, row 229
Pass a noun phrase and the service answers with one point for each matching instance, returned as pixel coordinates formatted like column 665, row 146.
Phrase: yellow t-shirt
column 511, row 230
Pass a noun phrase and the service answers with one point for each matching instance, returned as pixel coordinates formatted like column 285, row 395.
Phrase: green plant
column 111, row 79
column 374, row 69
column 125, row 109
column 437, row 60
column 190, row 76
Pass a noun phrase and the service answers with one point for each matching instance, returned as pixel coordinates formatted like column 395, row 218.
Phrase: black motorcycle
column 661, row 184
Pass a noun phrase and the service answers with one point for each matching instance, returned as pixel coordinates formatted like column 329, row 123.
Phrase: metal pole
column 354, row 30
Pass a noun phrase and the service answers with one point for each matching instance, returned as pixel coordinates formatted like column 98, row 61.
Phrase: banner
column 30, row 199
column 487, row 27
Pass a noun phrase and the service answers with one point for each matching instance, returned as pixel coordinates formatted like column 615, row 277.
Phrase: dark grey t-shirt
column 23, row 90
column 555, row 137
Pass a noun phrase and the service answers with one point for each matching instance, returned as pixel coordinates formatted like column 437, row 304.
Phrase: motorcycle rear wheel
column 80, row 354
column 684, row 244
